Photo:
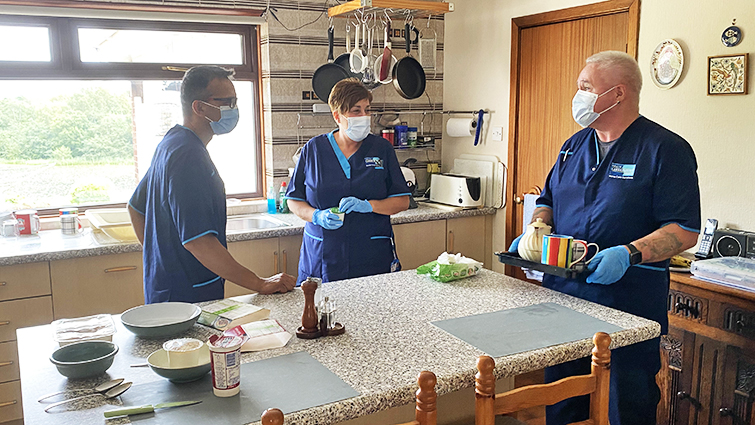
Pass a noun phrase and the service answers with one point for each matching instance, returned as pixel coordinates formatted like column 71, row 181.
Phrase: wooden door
column 548, row 51
column 467, row 236
column 738, row 395
column 675, row 377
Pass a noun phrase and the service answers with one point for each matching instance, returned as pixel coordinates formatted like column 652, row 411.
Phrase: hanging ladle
column 98, row 389
column 113, row 392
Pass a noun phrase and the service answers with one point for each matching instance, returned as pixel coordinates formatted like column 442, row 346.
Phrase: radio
column 733, row 243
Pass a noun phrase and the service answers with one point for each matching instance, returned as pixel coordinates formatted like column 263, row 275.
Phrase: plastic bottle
column 282, row 196
column 272, row 208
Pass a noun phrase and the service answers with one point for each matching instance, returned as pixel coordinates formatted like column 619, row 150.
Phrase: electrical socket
column 497, row 134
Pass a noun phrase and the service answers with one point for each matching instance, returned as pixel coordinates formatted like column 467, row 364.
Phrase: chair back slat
column 543, row 394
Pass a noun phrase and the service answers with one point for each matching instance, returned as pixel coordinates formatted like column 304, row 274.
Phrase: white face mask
column 359, row 128
column 583, row 107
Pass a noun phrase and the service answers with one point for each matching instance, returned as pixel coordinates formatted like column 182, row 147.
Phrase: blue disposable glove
column 326, row 219
column 608, row 265
column 352, row 204
column 515, row 244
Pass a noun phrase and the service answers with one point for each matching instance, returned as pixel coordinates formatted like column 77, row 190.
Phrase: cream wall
column 719, row 128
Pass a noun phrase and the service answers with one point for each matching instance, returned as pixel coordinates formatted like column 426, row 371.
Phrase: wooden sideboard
column 708, row 357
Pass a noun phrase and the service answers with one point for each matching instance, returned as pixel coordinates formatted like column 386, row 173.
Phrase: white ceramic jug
column 531, row 245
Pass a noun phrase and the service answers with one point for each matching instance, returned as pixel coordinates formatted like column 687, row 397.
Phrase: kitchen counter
column 52, row 245
column 389, row 339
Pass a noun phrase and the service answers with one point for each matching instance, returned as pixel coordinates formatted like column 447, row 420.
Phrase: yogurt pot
column 183, row 352
column 225, row 355
column 338, row 212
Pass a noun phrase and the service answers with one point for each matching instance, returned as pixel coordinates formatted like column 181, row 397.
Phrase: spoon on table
column 113, row 392
column 98, row 389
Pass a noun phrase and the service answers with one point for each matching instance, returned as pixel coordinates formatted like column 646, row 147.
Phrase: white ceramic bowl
column 163, row 319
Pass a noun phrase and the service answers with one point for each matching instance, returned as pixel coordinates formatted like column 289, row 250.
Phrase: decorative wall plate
column 731, row 36
column 666, row 64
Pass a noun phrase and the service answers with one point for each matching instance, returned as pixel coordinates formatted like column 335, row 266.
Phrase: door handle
column 120, row 269
column 285, row 262
column 5, row 322
column 518, row 199
column 686, row 396
column 451, row 242
column 8, row 403
column 8, row 363
column 275, row 261
column 736, row 420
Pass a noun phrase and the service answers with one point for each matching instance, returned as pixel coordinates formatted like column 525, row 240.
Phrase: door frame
column 632, row 7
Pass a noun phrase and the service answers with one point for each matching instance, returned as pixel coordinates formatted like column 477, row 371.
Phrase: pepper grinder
column 308, row 328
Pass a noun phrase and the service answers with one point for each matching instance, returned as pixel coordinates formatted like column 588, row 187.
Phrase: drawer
column 8, row 361
column 10, row 401
column 23, row 313
column 687, row 306
column 738, row 320
column 24, row 281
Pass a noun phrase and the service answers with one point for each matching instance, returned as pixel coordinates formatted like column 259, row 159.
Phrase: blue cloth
column 182, row 198
column 646, row 181
column 323, row 175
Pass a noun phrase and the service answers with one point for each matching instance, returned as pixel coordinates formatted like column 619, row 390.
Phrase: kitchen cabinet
column 708, row 358
column 94, row 285
column 470, row 236
column 265, row 257
column 419, row 243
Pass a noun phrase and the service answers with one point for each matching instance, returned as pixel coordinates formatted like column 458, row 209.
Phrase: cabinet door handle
column 8, row 363
column 450, row 241
column 275, row 261
column 736, row 420
column 6, row 322
column 285, row 262
column 120, row 269
column 3, row 283
column 8, row 403
column 686, row 396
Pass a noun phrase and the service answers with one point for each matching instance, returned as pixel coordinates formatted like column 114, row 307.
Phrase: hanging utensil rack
column 396, row 8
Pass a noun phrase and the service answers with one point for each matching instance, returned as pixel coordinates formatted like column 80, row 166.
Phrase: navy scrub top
column 323, row 175
column 182, row 198
column 646, row 181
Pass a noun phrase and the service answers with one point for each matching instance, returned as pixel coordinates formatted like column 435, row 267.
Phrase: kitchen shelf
column 395, row 8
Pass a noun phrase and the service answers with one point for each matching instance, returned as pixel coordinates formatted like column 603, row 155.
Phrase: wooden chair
column 488, row 404
column 425, row 414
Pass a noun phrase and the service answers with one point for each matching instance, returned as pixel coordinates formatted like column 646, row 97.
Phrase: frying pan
column 327, row 75
column 343, row 59
column 408, row 75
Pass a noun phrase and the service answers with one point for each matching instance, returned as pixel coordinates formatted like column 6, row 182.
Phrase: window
column 84, row 103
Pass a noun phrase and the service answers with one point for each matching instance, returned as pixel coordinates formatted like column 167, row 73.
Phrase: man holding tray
column 629, row 185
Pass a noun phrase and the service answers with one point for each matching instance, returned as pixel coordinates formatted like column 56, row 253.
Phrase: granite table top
column 389, row 339
column 51, row 245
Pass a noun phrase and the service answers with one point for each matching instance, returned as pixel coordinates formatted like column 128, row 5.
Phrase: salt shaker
column 327, row 311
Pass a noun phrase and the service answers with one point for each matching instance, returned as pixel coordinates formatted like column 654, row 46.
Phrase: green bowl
column 158, row 362
column 84, row 359
column 161, row 319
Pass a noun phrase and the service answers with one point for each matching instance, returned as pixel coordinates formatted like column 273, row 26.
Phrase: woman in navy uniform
column 357, row 172
column 629, row 185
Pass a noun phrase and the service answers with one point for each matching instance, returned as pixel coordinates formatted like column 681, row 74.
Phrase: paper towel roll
column 460, row 127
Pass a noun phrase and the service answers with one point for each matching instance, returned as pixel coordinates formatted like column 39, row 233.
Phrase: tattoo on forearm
column 664, row 246
column 545, row 213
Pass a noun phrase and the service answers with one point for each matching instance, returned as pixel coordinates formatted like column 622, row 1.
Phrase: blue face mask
column 229, row 117
column 359, row 128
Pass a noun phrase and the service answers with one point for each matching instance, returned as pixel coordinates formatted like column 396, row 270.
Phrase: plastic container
column 272, row 206
column 282, row 196
column 99, row 327
column 114, row 222
column 225, row 355
column 183, row 352
column 401, row 137
column 411, row 137
column 738, row 272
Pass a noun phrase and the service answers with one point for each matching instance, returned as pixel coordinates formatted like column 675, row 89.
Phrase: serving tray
column 513, row 259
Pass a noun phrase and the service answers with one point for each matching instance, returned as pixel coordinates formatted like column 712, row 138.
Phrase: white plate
column 666, row 64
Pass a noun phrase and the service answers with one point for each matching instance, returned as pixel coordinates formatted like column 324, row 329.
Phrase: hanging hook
column 330, row 22
column 428, row 20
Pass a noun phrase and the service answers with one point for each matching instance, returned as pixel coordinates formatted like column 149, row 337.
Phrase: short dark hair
column 195, row 82
column 347, row 93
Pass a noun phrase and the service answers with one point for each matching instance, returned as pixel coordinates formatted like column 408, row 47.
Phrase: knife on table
column 148, row 408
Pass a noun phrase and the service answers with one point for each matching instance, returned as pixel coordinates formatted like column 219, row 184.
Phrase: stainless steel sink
column 245, row 223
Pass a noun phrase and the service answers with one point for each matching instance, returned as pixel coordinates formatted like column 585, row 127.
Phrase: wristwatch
column 635, row 256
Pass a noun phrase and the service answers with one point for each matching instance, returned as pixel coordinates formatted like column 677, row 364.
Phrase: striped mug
column 558, row 250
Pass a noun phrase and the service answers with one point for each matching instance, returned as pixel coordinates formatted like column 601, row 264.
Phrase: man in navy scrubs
column 631, row 186
column 178, row 209
column 357, row 172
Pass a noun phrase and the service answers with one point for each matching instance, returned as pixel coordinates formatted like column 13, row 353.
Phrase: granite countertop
column 389, row 339
column 51, row 245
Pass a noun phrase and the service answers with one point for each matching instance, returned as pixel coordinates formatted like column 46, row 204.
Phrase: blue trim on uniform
column 199, row 236
column 291, row 198
column 399, row 194
column 205, row 283
column 657, row 269
column 543, row 206
column 689, row 229
column 345, row 166
column 380, row 237
column 312, row 236
column 135, row 209
column 597, row 149
column 187, row 128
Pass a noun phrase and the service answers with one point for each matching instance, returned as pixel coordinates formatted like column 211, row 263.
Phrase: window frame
column 65, row 64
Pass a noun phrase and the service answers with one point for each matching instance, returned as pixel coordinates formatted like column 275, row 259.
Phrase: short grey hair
column 195, row 82
column 623, row 68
